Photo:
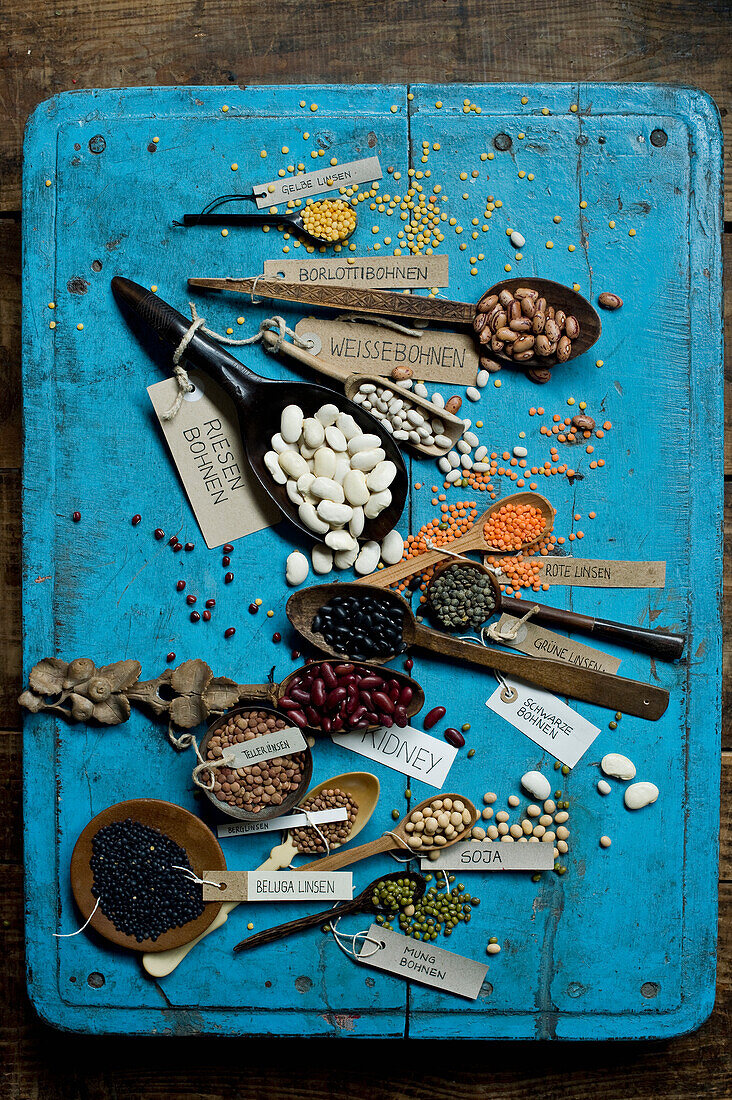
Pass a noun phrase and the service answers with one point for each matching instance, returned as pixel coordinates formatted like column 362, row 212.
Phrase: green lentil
column 462, row 596
column 557, row 765
column 536, row 878
column 407, row 793
column 395, row 815
column 465, row 727
column 566, row 769
column 471, row 754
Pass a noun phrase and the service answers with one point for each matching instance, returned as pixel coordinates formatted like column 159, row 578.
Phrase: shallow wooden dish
column 561, row 297
column 201, row 846
column 273, row 811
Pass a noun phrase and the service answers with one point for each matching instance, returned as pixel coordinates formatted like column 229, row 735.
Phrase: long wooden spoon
column 362, row 901
column 398, row 837
column 602, row 688
column 364, row 300
column 363, row 788
column 659, row 643
column 453, row 426
column 474, row 539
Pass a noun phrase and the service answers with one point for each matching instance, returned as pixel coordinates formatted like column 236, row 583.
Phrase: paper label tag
column 277, row 743
column 406, row 750
column 428, row 965
column 589, row 573
column 368, row 349
column 492, row 855
column 307, row 184
column 537, row 641
column 287, row 821
column 205, row 443
column 327, row 886
column 546, row 720
column 392, row 272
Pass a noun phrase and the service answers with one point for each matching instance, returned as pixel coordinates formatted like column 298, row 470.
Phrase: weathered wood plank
column 54, row 47
column 10, row 629
column 10, row 403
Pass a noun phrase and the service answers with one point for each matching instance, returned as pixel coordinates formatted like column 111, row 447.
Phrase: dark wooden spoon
column 659, row 643
column 602, row 688
column 362, row 901
column 260, row 401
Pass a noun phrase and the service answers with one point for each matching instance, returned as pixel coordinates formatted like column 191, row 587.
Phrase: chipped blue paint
column 581, row 953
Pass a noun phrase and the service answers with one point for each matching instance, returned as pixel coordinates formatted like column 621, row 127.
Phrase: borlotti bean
column 330, row 468
column 443, row 820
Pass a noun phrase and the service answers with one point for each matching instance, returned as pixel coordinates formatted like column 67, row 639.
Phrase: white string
column 386, row 322
column 412, row 855
column 67, row 935
column 338, row 936
column 194, row 877
column 430, row 544
column 208, row 765
column 270, row 324
column 508, row 633
column 312, row 825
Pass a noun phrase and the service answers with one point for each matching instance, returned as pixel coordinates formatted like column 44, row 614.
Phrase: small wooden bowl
column 561, row 297
column 477, row 567
column 292, row 798
column 201, row 847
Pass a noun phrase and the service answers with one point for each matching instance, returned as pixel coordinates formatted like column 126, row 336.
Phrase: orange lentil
column 540, row 411
column 592, row 514
column 601, row 462
column 600, row 434
column 607, row 425
column 513, row 524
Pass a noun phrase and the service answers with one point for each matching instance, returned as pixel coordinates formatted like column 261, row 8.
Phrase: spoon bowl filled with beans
column 258, row 791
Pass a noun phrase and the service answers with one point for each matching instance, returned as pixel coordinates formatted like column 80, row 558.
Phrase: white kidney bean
column 443, row 464
column 381, row 476
column 324, row 462
column 482, row 379
column 376, row 504
column 463, row 446
column 442, row 441
column 471, row 439
column 617, row 766
column 272, row 462
column 291, row 422
column 472, row 394
column 365, row 442
column 311, row 519
column 321, row 558
column 480, row 454
column 367, row 460
column 438, row 399
column 392, row 548
column 340, row 540
column 293, row 464
column 517, row 239
column 368, row 559
column 603, row 786
column 327, row 414
column 537, row 785
column 335, row 438
column 348, row 426
column 325, row 488
column 335, row 514
column 297, row 567
column 639, row 795
column 453, row 476
column 344, row 559
column 313, row 432
column 358, row 520
column 279, row 445
column 296, row 497
column 453, row 458
column 304, row 482
column 355, row 487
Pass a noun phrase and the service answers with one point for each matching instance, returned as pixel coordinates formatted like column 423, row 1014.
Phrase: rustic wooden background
column 52, row 47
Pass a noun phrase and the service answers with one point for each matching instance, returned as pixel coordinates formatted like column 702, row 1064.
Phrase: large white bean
column 443, row 441
column 443, row 463
column 344, row 559
column 335, row 438
column 279, row 445
column 272, row 462
column 343, row 465
column 297, row 568
column 327, row 414
column 324, row 462
column 376, row 504
column 367, row 460
column 357, row 522
column 325, row 488
column 340, row 540
column 392, row 548
column 381, row 476
column 348, row 425
column 321, row 558
column 311, row 519
column 291, row 423
column 368, row 559
column 365, row 442
column 292, row 492
column 313, row 432
column 293, row 464
column 355, row 487
column 336, row 514
column 304, row 482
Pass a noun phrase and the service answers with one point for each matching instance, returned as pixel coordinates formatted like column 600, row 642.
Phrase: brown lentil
column 254, row 787
column 306, row 839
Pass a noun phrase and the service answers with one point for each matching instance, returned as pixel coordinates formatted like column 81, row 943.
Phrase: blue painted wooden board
column 624, row 944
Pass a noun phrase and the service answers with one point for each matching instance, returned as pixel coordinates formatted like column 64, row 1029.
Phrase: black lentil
column 138, row 889
column 361, row 626
column 462, row 596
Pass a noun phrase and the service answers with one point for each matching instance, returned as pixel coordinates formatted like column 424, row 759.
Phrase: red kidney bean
column 209, row 603
column 335, row 696
column 387, row 721
column 288, row 704
column 136, row 519
column 367, row 698
column 336, row 725
column 191, row 599
column 343, row 670
column 409, row 664
column 228, row 578
column 433, row 717
column 276, row 637
column 400, row 716
column 298, row 718
column 299, row 694
column 362, row 725
column 170, row 658
column 454, row 737
column 383, row 702
column 358, row 714
column 368, row 682
column 326, row 671
column 313, row 716
column 180, row 585
column 392, row 685
column 228, row 548
column 230, row 632
column 326, row 724
column 225, row 561
column 158, row 532
column 373, row 717
column 206, row 616
column 317, row 692
column 406, row 695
